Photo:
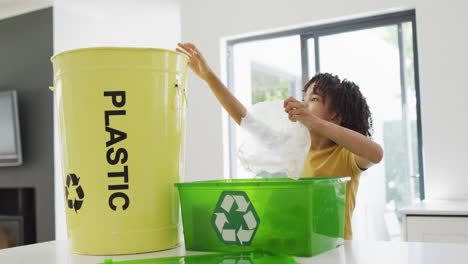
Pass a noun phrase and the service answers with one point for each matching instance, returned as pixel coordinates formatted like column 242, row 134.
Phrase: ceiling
column 9, row 8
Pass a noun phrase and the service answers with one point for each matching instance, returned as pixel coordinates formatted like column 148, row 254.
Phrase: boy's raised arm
column 200, row 67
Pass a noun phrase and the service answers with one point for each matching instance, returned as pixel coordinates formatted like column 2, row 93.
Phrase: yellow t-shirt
column 336, row 161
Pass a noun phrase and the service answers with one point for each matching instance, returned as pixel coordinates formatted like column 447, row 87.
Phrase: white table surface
column 438, row 207
column 351, row 252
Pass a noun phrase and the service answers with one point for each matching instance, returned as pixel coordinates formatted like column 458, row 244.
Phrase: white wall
column 141, row 23
column 88, row 23
column 10, row 8
column 442, row 55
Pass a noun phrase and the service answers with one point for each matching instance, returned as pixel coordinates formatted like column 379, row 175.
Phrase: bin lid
column 116, row 49
column 216, row 258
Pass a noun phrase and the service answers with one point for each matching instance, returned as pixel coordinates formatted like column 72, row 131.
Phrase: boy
column 334, row 111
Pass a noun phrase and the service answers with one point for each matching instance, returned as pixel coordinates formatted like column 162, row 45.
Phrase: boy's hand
column 197, row 63
column 297, row 111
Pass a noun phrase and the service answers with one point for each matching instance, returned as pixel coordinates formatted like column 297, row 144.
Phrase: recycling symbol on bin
column 75, row 199
column 235, row 219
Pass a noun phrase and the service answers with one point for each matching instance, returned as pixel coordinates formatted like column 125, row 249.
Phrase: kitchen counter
column 438, row 207
column 362, row 252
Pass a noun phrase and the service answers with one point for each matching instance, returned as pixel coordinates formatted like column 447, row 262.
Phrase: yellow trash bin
column 121, row 116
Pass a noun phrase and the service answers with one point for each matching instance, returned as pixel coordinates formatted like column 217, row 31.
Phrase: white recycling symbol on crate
column 235, row 219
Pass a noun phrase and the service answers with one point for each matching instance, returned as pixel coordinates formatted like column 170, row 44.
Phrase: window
column 380, row 55
column 266, row 70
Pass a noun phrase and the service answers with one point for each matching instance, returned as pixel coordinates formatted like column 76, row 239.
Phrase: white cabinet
column 436, row 221
column 437, row 229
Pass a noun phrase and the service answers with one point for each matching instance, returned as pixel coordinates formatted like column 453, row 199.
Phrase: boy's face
column 316, row 104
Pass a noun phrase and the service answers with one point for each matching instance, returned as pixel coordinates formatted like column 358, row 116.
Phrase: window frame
column 317, row 31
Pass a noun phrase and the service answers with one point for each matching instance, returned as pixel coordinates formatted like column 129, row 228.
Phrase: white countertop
column 438, row 207
column 352, row 252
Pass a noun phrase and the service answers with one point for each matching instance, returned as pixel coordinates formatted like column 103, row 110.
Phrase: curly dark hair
column 345, row 99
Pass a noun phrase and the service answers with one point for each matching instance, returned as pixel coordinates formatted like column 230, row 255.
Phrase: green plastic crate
column 296, row 217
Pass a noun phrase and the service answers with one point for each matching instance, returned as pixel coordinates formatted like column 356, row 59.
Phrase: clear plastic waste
column 270, row 144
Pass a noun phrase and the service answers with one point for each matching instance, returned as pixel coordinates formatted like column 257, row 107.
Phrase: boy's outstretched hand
column 197, row 63
column 200, row 67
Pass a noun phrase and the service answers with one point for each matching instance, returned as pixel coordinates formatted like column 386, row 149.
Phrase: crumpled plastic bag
column 270, row 144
